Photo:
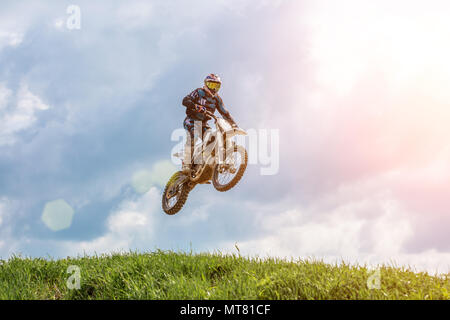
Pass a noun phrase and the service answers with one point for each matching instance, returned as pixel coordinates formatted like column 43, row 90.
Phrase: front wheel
column 175, row 194
column 229, row 173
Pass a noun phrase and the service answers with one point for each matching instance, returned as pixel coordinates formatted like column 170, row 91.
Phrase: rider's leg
column 208, row 139
column 194, row 130
column 189, row 145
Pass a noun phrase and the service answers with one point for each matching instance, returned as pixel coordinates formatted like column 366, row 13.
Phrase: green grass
column 170, row 275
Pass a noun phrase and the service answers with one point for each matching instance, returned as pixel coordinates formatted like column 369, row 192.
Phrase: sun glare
column 350, row 39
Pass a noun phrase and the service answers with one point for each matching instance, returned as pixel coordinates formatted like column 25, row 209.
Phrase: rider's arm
column 190, row 100
column 224, row 112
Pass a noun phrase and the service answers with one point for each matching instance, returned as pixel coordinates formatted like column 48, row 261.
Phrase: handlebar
column 210, row 114
column 234, row 126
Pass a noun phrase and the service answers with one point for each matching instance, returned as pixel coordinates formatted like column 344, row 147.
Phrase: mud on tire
column 182, row 196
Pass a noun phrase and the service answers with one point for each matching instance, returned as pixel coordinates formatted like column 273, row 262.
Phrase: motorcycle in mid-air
column 218, row 159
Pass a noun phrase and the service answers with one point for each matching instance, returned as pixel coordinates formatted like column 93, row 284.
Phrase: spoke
column 231, row 162
column 171, row 202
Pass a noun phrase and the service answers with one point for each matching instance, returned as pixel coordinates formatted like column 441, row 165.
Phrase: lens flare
column 57, row 215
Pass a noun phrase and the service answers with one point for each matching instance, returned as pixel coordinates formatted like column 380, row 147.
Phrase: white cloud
column 15, row 20
column 12, row 39
column 17, row 115
column 356, row 224
column 127, row 220
column 143, row 179
column 132, row 225
column 5, row 95
column 135, row 14
column 189, row 218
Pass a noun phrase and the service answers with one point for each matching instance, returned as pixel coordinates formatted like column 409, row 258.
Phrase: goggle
column 213, row 85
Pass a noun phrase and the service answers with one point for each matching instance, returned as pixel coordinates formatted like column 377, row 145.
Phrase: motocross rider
column 196, row 103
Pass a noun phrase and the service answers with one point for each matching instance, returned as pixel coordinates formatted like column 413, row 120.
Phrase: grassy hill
column 170, row 275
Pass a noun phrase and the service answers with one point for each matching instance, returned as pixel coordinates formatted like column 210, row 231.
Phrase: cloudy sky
column 359, row 91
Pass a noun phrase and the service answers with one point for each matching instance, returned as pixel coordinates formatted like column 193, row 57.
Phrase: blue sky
column 84, row 111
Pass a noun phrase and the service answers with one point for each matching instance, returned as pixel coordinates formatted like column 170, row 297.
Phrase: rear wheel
column 175, row 194
column 229, row 173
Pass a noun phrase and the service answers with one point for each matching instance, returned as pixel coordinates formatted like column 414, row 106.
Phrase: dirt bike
column 218, row 159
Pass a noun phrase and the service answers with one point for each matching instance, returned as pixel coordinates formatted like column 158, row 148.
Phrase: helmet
column 212, row 82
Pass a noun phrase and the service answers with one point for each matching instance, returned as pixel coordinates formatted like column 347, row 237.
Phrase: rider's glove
column 200, row 108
